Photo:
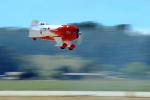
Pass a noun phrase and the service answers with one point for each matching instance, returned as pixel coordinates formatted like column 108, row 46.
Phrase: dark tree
column 8, row 61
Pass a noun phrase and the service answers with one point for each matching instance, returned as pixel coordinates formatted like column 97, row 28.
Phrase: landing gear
column 63, row 46
column 34, row 39
column 72, row 47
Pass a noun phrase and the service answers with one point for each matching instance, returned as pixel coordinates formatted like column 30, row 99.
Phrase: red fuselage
column 66, row 32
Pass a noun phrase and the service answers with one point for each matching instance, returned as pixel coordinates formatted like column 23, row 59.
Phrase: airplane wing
column 59, row 41
column 38, row 32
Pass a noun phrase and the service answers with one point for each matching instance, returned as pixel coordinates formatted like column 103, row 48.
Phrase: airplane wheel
column 72, row 47
column 34, row 38
column 63, row 46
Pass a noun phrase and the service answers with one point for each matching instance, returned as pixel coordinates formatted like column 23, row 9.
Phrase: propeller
column 79, row 41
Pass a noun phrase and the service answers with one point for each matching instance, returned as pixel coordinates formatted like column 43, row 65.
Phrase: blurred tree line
column 10, row 62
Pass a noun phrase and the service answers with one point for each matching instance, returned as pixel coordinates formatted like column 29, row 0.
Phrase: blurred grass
column 82, row 85
column 72, row 98
column 52, row 62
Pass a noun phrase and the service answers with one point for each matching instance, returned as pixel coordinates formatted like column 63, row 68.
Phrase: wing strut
column 58, row 41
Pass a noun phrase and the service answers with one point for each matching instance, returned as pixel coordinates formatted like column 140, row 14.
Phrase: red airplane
column 63, row 35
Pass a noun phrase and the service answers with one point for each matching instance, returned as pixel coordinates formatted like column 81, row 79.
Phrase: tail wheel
column 34, row 38
column 72, row 47
column 63, row 46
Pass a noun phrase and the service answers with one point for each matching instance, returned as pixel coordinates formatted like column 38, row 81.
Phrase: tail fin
column 38, row 23
column 35, row 23
column 34, row 31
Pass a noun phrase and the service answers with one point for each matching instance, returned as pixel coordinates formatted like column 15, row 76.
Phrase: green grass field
column 83, row 85
column 71, row 98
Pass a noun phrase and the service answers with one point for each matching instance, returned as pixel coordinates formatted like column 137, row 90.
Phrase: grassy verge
column 71, row 98
column 83, row 85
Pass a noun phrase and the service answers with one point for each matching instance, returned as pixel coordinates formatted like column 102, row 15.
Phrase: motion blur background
column 114, row 53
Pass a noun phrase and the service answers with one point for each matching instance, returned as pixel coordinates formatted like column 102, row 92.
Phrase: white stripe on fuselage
column 37, row 33
column 52, row 27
